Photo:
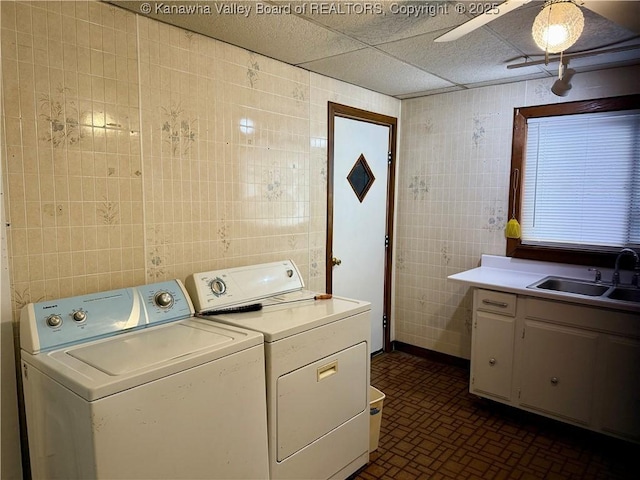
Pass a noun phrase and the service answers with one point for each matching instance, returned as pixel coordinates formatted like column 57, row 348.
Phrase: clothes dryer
column 317, row 364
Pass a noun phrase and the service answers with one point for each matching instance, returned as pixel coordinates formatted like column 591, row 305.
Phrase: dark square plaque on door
column 361, row 177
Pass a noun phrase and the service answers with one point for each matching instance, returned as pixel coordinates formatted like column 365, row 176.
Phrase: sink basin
column 587, row 288
column 626, row 294
column 568, row 285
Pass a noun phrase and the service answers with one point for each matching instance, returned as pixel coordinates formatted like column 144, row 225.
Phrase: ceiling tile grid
column 389, row 47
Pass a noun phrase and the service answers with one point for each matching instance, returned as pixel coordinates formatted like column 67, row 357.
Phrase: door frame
column 338, row 110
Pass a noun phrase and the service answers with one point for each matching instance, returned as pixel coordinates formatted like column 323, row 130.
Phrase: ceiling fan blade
column 625, row 14
column 480, row 20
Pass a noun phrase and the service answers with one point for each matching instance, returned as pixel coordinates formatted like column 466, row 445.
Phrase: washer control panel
column 242, row 285
column 52, row 324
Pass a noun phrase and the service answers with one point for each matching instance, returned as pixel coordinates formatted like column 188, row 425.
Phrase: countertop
column 513, row 275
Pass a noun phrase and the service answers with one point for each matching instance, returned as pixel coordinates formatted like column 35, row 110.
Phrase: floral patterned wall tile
column 453, row 199
column 72, row 171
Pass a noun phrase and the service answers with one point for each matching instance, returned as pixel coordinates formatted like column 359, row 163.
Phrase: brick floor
column 433, row 428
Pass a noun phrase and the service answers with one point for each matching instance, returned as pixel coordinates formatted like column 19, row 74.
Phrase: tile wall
column 137, row 151
column 72, row 171
column 133, row 152
column 453, row 196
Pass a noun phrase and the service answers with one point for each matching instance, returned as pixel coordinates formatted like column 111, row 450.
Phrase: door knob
column 335, row 261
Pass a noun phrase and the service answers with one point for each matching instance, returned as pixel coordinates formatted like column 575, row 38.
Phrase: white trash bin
column 376, row 399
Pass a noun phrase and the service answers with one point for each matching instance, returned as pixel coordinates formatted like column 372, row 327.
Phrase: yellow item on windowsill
column 513, row 227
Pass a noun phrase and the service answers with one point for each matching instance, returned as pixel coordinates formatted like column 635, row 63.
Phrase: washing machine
column 127, row 384
column 317, row 354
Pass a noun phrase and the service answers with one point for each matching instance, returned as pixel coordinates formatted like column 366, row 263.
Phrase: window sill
column 593, row 258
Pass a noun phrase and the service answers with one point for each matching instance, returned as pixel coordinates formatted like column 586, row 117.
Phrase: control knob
column 218, row 287
column 163, row 299
column 79, row 316
column 54, row 321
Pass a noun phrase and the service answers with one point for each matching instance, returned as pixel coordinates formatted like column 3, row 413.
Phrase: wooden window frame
column 601, row 257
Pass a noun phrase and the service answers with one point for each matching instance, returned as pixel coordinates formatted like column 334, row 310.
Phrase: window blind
column 581, row 182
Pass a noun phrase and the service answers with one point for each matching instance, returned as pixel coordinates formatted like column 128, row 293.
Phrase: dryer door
column 317, row 398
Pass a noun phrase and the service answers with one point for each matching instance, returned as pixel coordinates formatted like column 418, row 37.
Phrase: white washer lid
column 105, row 367
column 127, row 354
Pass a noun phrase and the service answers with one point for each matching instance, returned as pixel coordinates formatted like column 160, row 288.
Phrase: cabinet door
column 558, row 370
column 621, row 387
column 492, row 356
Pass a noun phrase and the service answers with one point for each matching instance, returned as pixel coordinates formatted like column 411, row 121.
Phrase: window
column 578, row 200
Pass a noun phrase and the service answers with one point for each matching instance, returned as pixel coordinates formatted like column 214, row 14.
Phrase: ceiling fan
column 624, row 13
column 480, row 20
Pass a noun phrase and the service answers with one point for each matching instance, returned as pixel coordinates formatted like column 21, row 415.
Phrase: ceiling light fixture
column 562, row 86
column 558, row 26
column 585, row 54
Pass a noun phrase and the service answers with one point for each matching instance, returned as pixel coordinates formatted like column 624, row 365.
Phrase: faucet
column 598, row 274
column 616, row 271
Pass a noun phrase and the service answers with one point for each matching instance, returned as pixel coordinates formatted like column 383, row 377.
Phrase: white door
column 360, row 215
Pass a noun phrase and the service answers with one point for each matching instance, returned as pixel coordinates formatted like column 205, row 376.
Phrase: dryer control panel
column 242, row 285
column 67, row 321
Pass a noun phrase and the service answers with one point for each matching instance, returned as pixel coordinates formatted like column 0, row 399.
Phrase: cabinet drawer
column 495, row 302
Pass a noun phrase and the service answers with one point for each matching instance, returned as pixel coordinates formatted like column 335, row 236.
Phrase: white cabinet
column 492, row 346
column 558, row 370
column 620, row 395
column 572, row 362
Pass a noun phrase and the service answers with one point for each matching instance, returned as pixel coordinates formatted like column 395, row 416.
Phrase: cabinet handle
column 492, row 361
column 495, row 304
column 554, row 381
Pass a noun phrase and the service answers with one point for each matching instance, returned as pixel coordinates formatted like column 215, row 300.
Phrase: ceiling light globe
column 555, row 35
column 558, row 26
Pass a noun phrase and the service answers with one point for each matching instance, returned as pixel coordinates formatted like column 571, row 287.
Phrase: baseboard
column 430, row 354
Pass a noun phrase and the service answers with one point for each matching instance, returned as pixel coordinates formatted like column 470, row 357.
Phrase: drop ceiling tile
column 476, row 57
column 396, row 21
column 600, row 32
column 376, row 71
column 285, row 37
column 623, row 13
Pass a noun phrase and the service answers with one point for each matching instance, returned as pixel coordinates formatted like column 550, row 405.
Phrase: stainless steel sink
column 590, row 289
column 628, row 294
column 569, row 285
